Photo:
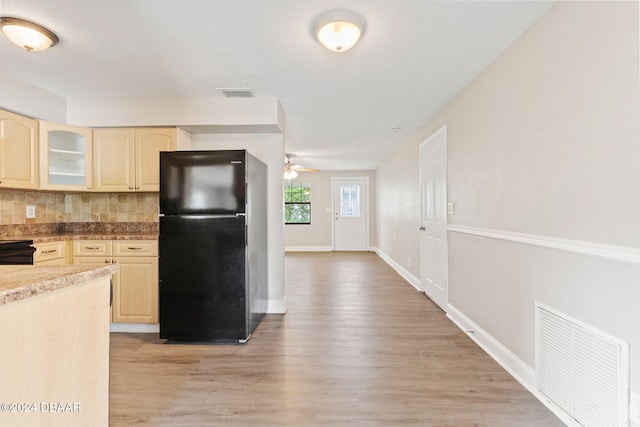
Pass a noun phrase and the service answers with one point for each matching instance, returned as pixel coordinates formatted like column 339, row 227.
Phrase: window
column 297, row 203
column 350, row 200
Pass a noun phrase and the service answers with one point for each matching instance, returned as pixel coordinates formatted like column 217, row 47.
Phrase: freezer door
column 202, row 269
column 202, row 182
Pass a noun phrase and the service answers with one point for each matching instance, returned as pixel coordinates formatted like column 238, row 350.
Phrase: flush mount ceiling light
column 27, row 35
column 338, row 31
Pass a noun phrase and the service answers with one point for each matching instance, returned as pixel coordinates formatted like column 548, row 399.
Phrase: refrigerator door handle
column 241, row 214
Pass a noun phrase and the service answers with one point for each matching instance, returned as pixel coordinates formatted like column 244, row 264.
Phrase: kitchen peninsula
column 131, row 245
column 54, row 330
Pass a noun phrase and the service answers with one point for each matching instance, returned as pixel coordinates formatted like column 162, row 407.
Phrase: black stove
column 16, row 252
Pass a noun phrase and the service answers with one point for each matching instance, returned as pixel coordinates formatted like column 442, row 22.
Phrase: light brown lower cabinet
column 135, row 287
column 50, row 253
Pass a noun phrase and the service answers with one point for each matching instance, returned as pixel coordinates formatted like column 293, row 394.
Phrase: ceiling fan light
column 290, row 173
column 339, row 31
column 28, row 35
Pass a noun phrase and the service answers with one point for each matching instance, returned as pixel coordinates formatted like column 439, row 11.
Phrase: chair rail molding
column 598, row 250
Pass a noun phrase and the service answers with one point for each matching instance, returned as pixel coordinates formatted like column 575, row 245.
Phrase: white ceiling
column 340, row 108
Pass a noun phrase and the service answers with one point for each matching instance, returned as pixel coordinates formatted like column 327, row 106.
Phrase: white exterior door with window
column 350, row 214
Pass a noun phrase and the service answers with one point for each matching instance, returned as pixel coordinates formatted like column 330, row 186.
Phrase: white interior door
column 351, row 216
column 433, row 231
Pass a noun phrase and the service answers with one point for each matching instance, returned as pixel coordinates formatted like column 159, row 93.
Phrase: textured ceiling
column 340, row 108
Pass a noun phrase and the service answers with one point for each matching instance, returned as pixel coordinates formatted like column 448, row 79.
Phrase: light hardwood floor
column 359, row 346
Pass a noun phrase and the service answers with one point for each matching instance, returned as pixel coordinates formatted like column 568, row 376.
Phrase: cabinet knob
column 107, row 261
column 88, row 187
column 130, row 188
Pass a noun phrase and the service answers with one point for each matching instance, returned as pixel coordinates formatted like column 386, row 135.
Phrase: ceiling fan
column 291, row 170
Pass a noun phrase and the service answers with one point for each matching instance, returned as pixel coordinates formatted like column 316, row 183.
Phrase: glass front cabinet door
column 65, row 157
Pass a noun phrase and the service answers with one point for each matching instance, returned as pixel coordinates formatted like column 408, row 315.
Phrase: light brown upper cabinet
column 128, row 159
column 66, row 160
column 18, row 151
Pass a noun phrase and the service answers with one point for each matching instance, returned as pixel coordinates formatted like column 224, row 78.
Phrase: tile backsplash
column 111, row 207
column 79, row 207
column 13, row 206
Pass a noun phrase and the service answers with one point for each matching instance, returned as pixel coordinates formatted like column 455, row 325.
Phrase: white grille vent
column 581, row 370
column 236, row 92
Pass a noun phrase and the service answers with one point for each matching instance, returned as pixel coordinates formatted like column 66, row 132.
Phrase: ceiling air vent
column 237, row 92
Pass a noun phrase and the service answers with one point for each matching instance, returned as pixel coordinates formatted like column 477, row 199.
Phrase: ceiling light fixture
column 28, row 35
column 289, row 171
column 338, row 31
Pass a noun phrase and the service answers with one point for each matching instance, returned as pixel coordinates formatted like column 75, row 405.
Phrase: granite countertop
column 56, row 237
column 18, row 282
column 55, row 232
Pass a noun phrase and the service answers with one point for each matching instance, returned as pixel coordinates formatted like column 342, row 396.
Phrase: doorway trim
column 333, row 207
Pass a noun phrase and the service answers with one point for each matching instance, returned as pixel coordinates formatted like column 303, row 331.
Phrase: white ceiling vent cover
column 581, row 370
column 236, row 92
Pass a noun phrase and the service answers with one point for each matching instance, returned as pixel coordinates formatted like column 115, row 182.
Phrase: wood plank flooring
column 359, row 346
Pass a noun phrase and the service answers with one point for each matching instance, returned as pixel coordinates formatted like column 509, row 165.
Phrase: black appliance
column 14, row 252
column 212, row 245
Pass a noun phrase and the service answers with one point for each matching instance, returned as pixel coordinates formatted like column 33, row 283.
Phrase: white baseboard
column 522, row 372
column 308, row 248
column 413, row 280
column 511, row 363
column 277, row 306
column 138, row 328
column 514, row 365
column 274, row 306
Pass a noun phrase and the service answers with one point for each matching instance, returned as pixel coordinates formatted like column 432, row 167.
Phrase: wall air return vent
column 236, row 92
column 581, row 370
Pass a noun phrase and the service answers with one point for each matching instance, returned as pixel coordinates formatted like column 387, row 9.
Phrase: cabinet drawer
column 59, row 261
column 135, row 248
column 49, row 251
column 92, row 260
column 92, row 248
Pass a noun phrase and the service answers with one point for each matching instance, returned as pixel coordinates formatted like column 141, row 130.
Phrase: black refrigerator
column 212, row 245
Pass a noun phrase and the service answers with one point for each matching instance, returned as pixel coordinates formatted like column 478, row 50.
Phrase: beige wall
column 204, row 115
column 24, row 98
column 544, row 142
column 269, row 148
column 398, row 207
column 317, row 235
